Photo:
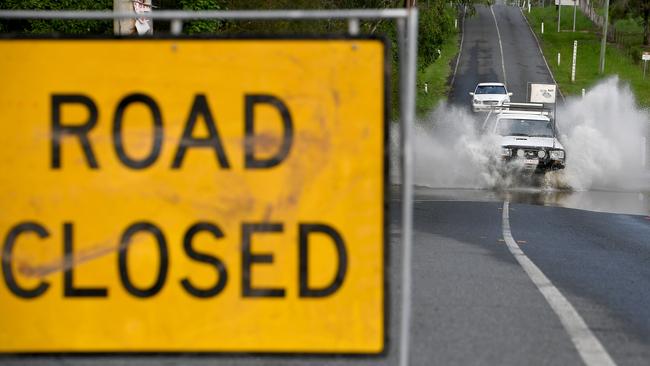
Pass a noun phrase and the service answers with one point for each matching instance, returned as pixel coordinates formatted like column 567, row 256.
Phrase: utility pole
column 575, row 6
column 123, row 27
column 559, row 13
column 140, row 26
column 573, row 64
column 603, row 42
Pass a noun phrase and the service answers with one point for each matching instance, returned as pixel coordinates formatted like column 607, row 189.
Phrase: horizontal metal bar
column 209, row 14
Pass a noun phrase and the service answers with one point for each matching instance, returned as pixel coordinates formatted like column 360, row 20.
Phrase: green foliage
column 57, row 26
column 631, row 16
column 587, row 63
column 436, row 76
column 618, row 9
column 436, row 25
column 641, row 9
column 201, row 26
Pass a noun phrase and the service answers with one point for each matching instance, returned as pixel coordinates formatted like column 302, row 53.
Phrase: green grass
column 600, row 10
column 629, row 25
column 436, row 76
column 566, row 20
column 617, row 62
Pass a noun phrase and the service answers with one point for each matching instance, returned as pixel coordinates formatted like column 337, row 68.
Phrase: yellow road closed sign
column 193, row 195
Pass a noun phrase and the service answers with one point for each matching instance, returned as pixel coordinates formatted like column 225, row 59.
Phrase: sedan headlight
column 476, row 101
column 506, row 152
column 557, row 154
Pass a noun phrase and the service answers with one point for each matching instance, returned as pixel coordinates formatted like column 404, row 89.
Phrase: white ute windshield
column 490, row 89
column 524, row 127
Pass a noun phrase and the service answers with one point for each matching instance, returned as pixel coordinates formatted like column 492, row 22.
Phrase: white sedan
column 489, row 96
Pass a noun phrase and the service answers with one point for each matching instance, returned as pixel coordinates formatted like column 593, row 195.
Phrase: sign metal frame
column 407, row 32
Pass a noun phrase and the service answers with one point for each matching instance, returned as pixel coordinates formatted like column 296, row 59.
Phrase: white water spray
column 450, row 152
column 602, row 134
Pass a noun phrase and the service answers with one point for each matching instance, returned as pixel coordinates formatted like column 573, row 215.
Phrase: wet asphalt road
column 473, row 303
column 600, row 261
column 481, row 59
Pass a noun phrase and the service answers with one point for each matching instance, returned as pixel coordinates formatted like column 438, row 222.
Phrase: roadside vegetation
column 436, row 76
column 618, row 60
column 437, row 42
column 631, row 17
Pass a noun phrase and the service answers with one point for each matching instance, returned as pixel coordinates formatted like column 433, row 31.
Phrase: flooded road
column 633, row 203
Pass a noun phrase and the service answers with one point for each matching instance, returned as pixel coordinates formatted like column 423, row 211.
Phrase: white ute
column 489, row 96
column 529, row 138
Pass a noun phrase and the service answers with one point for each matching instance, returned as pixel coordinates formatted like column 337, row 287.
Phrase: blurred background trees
column 436, row 25
column 436, row 19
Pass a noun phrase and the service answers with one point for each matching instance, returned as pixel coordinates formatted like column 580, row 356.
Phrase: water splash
column 451, row 152
column 602, row 134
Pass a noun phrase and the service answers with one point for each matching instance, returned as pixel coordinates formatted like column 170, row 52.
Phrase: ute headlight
column 557, row 154
column 541, row 154
column 520, row 153
column 506, row 152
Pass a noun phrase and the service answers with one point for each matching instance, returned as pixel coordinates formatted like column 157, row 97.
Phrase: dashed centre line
column 503, row 63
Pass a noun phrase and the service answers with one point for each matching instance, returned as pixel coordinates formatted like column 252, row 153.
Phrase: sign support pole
column 407, row 38
column 575, row 7
column 573, row 63
column 555, row 113
column 129, row 26
column 559, row 14
column 407, row 27
column 123, row 26
column 603, row 42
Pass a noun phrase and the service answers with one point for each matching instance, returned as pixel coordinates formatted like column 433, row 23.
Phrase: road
column 481, row 59
column 484, row 305
column 474, row 302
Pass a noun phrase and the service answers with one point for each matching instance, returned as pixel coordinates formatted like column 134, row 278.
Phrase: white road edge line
column 589, row 347
column 539, row 47
column 460, row 52
column 503, row 62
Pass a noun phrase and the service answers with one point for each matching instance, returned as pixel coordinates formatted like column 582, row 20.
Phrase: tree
column 202, row 26
column 639, row 9
column 57, row 26
column 642, row 9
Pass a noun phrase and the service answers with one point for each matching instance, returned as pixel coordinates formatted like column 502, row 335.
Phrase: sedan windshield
column 524, row 127
column 490, row 89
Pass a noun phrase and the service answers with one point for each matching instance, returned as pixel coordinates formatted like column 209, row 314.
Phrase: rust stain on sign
column 30, row 269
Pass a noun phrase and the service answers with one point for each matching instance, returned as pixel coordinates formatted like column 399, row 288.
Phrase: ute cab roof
column 523, row 115
column 491, row 84
column 534, row 111
column 524, row 111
